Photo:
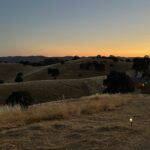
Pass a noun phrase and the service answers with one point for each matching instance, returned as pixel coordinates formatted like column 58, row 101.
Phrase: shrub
column 62, row 62
column 21, row 98
column 80, row 75
column 88, row 65
column 1, row 81
column 53, row 72
column 118, row 82
column 111, row 65
column 99, row 66
column 113, row 58
column 85, row 66
column 75, row 58
column 141, row 64
column 82, row 66
column 98, row 56
column 19, row 77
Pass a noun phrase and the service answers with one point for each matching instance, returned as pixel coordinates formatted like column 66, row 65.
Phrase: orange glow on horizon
column 124, row 53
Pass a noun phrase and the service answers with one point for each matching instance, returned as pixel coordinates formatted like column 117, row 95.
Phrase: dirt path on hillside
column 104, row 131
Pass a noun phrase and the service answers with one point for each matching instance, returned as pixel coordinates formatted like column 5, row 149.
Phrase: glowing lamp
column 131, row 121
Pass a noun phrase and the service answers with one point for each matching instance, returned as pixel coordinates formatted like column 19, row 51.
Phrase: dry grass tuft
column 13, row 117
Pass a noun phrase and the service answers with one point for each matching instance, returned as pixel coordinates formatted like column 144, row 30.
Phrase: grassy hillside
column 8, row 71
column 71, row 69
column 89, row 123
column 46, row 90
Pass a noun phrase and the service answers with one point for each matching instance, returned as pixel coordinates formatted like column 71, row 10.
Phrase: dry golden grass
column 12, row 117
column 79, row 124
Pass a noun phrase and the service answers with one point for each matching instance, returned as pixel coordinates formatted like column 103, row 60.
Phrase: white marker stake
column 131, row 121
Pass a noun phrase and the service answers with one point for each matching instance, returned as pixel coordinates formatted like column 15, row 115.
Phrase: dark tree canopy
column 75, row 58
column 19, row 77
column 53, row 72
column 141, row 64
column 118, row 82
column 21, row 98
column 1, row 81
column 113, row 58
column 98, row 66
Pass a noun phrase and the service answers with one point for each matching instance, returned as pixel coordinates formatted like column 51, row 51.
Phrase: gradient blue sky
column 74, row 27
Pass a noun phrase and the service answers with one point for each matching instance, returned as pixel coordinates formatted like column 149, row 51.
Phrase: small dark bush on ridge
column 53, row 72
column 96, row 65
column 1, row 81
column 19, row 77
column 21, row 98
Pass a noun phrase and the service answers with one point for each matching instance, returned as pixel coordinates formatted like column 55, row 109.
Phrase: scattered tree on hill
column 115, row 59
column 80, row 75
column 25, row 63
column 111, row 65
column 88, row 65
column 141, row 65
column 62, row 62
column 75, row 58
column 1, row 81
column 96, row 65
column 128, row 60
column 21, row 98
column 98, row 56
column 19, row 77
column 54, row 72
column 99, row 66
column 82, row 66
column 118, row 82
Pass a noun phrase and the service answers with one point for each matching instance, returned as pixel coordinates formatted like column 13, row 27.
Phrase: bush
column 82, row 66
column 1, row 81
column 19, row 77
column 75, row 58
column 118, row 82
column 62, row 62
column 141, row 64
column 21, row 98
column 53, row 72
column 98, row 56
column 113, row 58
column 99, row 66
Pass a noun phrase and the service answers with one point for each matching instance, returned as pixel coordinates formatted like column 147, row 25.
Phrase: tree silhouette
column 19, row 77
column 21, row 98
column 118, row 82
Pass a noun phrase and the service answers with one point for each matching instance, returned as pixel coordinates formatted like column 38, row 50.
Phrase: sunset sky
column 75, row 27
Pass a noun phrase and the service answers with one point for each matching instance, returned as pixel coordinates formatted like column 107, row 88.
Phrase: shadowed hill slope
column 46, row 90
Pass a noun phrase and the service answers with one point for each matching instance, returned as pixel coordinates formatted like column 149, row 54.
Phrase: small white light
column 131, row 120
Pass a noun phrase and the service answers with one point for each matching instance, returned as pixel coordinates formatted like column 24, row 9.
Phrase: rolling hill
column 8, row 71
column 46, row 90
column 71, row 69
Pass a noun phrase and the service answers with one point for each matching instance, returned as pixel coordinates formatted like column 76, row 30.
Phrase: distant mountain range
column 31, row 59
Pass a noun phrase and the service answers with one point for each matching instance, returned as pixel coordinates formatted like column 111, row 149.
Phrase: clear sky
column 75, row 27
